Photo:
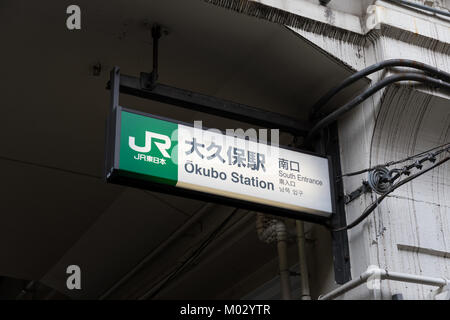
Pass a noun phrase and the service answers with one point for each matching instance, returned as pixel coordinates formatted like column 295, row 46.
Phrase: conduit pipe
column 259, row 225
column 441, row 74
column 268, row 231
column 383, row 274
column 304, row 275
column 366, row 94
column 283, row 261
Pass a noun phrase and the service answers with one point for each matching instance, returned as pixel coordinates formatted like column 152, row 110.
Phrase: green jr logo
column 162, row 147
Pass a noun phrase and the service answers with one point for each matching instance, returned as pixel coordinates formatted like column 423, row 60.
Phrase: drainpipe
column 283, row 261
column 260, row 225
column 305, row 293
column 382, row 274
column 270, row 230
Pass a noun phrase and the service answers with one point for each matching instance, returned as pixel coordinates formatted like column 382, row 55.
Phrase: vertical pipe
column 283, row 261
column 115, row 87
column 260, row 225
column 305, row 294
column 156, row 34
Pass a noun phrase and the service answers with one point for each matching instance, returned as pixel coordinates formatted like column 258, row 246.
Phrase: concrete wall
column 410, row 231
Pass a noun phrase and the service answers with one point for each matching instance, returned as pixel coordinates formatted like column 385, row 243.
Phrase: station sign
column 165, row 155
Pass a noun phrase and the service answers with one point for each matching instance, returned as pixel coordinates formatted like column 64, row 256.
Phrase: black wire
column 421, row 154
column 420, row 6
column 418, row 164
column 372, row 69
column 44, row 166
column 167, row 203
column 374, row 204
column 193, row 256
column 391, row 163
column 369, row 92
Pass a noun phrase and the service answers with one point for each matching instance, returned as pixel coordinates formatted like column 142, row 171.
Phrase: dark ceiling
column 56, row 210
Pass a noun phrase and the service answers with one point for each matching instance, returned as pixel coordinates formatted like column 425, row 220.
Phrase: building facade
column 278, row 56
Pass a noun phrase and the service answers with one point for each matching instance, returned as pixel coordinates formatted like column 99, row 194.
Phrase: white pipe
column 439, row 291
column 179, row 232
column 305, row 293
column 283, row 260
column 276, row 230
column 382, row 274
column 259, row 224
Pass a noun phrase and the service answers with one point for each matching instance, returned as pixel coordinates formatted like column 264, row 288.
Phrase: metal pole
column 412, row 278
column 346, row 287
column 283, row 261
column 115, row 87
column 156, row 34
column 305, row 293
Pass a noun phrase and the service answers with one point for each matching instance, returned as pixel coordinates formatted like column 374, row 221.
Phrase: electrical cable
column 374, row 204
column 391, row 163
column 191, row 258
column 417, row 164
column 443, row 146
column 420, row 6
column 370, row 91
column 381, row 179
column 372, row 69
column 29, row 163
column 375, row 180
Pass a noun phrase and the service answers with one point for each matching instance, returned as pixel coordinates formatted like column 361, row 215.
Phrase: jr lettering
column 148, row 143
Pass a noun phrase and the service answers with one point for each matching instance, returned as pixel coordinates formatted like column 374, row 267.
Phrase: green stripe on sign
column 148, row 148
